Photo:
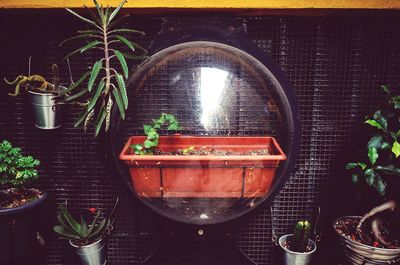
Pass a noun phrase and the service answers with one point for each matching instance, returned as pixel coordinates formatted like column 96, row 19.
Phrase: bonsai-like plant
column 83, row 233
column 16, row 172
column 106, row 81
column 301, row 236
column 382, row 165
column 36, row 83
column 148, row 146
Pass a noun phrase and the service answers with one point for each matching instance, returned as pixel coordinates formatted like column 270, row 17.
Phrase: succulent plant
column 36, row 83
column 301, row 235
column 83, row 233
column 106, row 80
column 16, row 169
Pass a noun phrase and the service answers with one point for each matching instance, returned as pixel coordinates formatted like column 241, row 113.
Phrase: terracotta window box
column 204, row 175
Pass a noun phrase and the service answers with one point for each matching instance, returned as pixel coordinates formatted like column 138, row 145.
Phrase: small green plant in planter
column 106, row 80
column 17, row 174
column 87, row 238
column 47, row 98
column 298, row 247
column 147, row 148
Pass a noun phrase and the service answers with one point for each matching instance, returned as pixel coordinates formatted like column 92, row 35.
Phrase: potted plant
column 19, row 204
column 298, row 247
column 88, row 239
column 46, row 97
column 199, row 166
column 374, row 238
column 106, row 81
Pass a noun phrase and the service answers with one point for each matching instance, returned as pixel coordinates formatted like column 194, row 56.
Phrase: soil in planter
column 286, row 244
column 348, row 228
column 204, row 151
column 12, row 198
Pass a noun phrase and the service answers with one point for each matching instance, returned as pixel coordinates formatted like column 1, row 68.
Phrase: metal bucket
column 361, row 254
column 93, row 254
column 47, row 111
column 296, row 258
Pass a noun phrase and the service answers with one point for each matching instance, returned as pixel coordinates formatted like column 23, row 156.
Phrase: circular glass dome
column 234, row 142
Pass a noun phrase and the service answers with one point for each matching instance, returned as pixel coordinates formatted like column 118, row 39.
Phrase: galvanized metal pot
column 93, row 254
column 47, row 111
column 296, row 258
column 361, row 254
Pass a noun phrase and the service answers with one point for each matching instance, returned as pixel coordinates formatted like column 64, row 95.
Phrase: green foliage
column 301, row 235
column 15, row 169
column 83, row 233
column 148, row 146
column 383, row 148
column 36, row 83
column 106, row 80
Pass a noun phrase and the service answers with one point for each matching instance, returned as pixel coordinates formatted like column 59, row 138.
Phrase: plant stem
column 107, row 59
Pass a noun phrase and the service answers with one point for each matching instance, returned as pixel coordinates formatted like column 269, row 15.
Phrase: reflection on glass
column 212, row 84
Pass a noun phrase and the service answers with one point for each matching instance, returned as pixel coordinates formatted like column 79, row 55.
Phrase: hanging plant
column 105, row 83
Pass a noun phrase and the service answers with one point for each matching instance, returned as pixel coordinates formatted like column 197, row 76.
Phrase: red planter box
column 204, row 176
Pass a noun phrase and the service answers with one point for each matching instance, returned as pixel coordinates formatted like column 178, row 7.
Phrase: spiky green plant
column 301, row 235
column 105, row 83
column 83, row 233
column 16, row 170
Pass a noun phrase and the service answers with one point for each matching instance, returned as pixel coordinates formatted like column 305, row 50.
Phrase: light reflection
column 212, row 84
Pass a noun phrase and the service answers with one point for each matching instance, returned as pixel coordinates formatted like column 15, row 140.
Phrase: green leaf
column 95, row 72
column 150, row 144
column 362, row 165
column 76, row 37
column 77, row 95
column 90, row 45
column 374, row 123
column 372, row 155
column 100, row 120
column 137, row 148
column 93, row 101
column 116, row 10
column 84, row 227
column 61, row 230
column 94, row 223
column 125, row 41
column 389, row 169
column 126, row 31
column 386, row 89
column 376, row 142
column 122, row 61
column 351, row 165
column 147, row 129
column 380, row 119
column 369, row 176
column 152, row 135
column 65, row 224
column 82, row 18
column 71, row 221
column 396, row 149
column 95, row 17
column 99, row 230
column 99, row 11
column 380, row 185
column 354, row 178
column 396, row 102
column 122, row 90
column 81, row 118
column 120, row 104
column 76, row 84
column 386, row 145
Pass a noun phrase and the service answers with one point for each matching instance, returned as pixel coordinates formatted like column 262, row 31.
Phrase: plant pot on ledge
column 241, row 174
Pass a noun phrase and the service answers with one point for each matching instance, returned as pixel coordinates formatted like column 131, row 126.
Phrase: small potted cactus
column 298, row 247
column 46, row 97
column 86, row 238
